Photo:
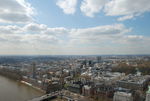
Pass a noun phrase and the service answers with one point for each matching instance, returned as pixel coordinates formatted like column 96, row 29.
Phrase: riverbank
column 30, row 85
column 16, row 75
column 12, row 74
column 12, row 90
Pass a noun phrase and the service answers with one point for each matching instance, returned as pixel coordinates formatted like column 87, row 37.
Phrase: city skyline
column 74, row 27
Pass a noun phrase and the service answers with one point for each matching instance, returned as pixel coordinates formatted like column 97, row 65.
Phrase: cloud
column 10, row 29
column 30, row 33
column 125, row 18
column 100, row 31
column 40, row 39
column 133, row 37
column 109, row 39
column 15, row 11
column 126, row 8
column 91, row 7
column 134, row 44
column 68, row 6
column 130, row 39
column 34, row 27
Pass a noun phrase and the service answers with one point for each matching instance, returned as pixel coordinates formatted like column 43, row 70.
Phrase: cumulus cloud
column 33, row 38
column 68, row 6
column 100, row 31
column 15, row 11
column 91, row 7
column 134, row 37
column 125, row 9
column 10, row 29
column 41, row 39
column 130, row 39
column 30, row 33
column 134, row 44
column 33, row 27
column 125, row 18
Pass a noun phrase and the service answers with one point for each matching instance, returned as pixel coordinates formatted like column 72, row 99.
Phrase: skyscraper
column 99, row 59
column 33, row 70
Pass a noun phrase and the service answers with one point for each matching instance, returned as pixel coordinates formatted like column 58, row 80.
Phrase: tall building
column 148, row 94
column 99, row 59
column 33, row 70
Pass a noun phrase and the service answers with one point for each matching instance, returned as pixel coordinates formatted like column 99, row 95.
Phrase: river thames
column 11, row 90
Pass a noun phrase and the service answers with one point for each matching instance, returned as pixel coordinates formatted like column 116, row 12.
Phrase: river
column 11, row 90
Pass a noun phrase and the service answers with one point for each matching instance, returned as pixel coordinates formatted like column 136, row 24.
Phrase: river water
column 11, row 90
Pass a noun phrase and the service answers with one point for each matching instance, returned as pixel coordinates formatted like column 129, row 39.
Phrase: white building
column 122, row 96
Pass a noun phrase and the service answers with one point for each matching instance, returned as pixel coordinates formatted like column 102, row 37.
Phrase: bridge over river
column 62, row 93
column 46, row 97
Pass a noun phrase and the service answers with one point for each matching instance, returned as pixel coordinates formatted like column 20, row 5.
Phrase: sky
column 74, row 27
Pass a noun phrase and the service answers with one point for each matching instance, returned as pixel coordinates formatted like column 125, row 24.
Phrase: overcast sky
column 74, row 27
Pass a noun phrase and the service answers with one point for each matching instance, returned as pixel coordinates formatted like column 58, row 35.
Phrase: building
column 148, row 94
column 52, row 87
column 108, row 77
column 122, row 96
column 76, row 88
column 99, row 59
column 77, row 85
column 86, row 90
column 33, row 70
column 102, row 89
column 134, row 82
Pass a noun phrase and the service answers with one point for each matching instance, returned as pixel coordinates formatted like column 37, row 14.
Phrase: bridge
column 46, row 97
column 61, row 93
